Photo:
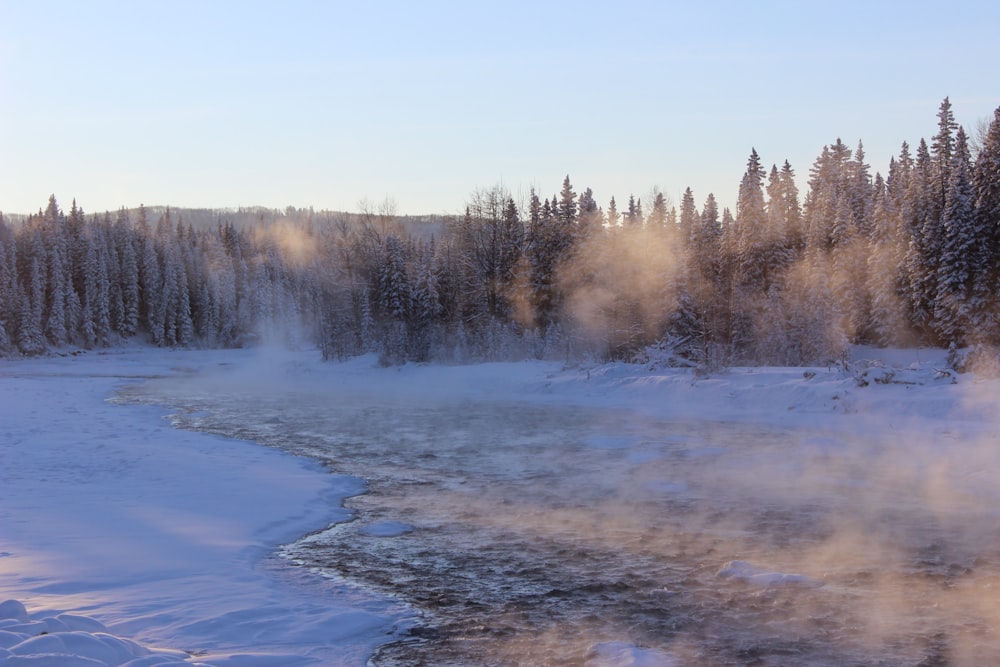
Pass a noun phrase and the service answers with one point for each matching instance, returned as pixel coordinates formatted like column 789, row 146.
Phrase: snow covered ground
column 167, row 537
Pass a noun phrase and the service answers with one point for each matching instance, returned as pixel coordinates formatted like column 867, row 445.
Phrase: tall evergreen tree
column 690, row 221
column 657, row 219
column 612, row 214
column 986, row 187
column 129, row 274
column 960, row 251
column 942, row 148
column 630, row 218
column 567, row 204
column 590, row 217
column 750, row 233
column 31, row 339
column 925, row 242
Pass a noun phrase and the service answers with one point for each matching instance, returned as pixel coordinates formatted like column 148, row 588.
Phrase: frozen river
column 528, row 534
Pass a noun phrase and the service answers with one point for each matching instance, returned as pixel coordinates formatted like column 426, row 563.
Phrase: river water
column 561, row 535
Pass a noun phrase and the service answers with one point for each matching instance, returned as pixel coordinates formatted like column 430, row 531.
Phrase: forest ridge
column 911, row 258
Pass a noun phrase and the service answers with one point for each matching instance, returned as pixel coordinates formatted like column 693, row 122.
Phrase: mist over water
column 531, row 535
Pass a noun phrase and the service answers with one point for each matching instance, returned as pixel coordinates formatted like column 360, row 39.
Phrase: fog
column 539, row 531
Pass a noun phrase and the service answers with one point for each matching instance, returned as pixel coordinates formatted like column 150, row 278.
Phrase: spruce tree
column 31, row 339
column 612, row 214
column 690, row 221
column 9, row 297
column 942, row 148
column 750, row 233
column 590, row 218
column 924, row 248
column 960, row 250
column 567, row 204
column 986, row 187
column 657, row 220
column 632, row 217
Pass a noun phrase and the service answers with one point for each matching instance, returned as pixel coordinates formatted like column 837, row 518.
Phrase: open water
column 554, row 535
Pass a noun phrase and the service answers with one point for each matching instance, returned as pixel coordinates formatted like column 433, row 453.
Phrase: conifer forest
column 791, row 277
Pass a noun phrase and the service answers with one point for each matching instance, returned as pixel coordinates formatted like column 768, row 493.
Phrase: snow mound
column 69, row 640
column 13, row 610
column 751, row 574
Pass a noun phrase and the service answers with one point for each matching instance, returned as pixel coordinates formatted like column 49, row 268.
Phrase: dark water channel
column 558, row 535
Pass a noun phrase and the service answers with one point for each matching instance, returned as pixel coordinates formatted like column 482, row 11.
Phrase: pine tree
column 534, row 210
column 942, row 148
column 859, row 191
column 567, row 204
column 590, row 218
column 224, row 278
column 710, row 230
column 986, row 187
column 129, row 275
column 55, row 320
column 886, row 266
column 185, row 322
column 548, row 245
column 153, row 297
column 632, row 216
column 612, row 215
column 791, row 210
column 5, row 342
column 96, row 293
column 426, row 306
column 690, row 221
column 394, row 284
column 9, row 296
column 31, row 339
column 924, row 251
column 750, row 233
column 960, row 250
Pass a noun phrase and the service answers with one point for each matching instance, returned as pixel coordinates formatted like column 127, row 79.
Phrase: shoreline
column 164, row 535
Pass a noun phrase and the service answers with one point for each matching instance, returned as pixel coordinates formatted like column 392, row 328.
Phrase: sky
column 331, row 104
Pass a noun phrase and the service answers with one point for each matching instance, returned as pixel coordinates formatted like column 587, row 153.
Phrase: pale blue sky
column 225, row 104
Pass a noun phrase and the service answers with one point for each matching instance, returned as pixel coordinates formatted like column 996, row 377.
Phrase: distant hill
column 422, row 227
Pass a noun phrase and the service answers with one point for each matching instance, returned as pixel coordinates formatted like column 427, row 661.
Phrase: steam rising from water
column 297, row 247
column 545, row 535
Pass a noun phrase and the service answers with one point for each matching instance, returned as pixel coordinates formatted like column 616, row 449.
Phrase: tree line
column 911, row 258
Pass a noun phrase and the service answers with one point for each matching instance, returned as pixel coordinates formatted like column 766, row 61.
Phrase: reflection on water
column 527, row 535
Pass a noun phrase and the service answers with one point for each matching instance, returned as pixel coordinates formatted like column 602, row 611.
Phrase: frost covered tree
column 962, row 252
column 31, row 339
column 633, row 214
column 923, row 223
column 751, row 237
column 612, row 215
column 567, row 204
column 942, row 149
column 96, row 293
column 548, row 244
column 986, row 188
column 913, row 258
column 885, row 265
column 491, row 242
column 590, row 216
column 424, row 330
column 657, row 219
column 10, row 297
column 689, row 221
column 128, row 274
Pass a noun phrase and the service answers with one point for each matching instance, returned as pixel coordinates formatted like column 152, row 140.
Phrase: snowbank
column 69, row 640
column 163, row 535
